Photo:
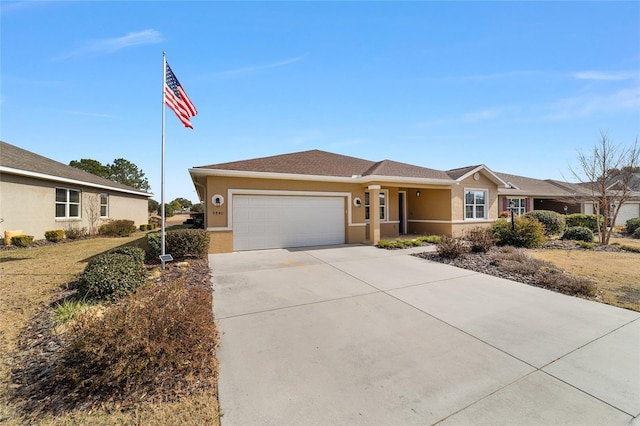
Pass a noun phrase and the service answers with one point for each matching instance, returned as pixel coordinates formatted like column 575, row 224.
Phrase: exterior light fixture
column 417, row 193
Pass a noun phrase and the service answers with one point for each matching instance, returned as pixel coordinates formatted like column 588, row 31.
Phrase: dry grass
column 29, row 278
column 616, row 274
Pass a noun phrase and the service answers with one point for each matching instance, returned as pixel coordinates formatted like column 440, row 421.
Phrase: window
column 519, row 205
column 475, row 204
column 104, row 205
column 67, row 203
column 383, row 205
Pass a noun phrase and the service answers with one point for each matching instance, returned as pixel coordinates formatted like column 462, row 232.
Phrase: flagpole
column 164, row 82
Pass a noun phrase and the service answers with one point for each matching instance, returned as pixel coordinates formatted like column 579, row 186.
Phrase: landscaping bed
column 39, row 390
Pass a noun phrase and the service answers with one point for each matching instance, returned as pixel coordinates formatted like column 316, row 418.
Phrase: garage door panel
column 261, row 222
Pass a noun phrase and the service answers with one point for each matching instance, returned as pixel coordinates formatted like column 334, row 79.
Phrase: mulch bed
column 39, row 350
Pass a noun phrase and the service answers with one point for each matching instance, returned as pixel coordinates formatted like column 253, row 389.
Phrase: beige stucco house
column 38, row 194
column 320, row 198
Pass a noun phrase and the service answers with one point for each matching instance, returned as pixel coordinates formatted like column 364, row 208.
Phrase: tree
column 176, row 205
column 92, row 166
column 184, row 203
column 92, row 209
column 607, row 170
column 153, row 206
column 121, row 171
column 197, row 208
column 127, row 173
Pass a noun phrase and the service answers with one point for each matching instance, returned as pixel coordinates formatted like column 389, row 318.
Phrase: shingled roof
column 521, row 185
column 321, row 163
column 14, row 160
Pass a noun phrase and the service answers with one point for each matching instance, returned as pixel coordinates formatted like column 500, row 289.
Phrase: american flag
column 176, row 98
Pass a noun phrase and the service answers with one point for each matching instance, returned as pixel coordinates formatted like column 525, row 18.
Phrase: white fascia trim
column 219, row 229
column 37, row 175
column 453, row 222
column 358, row 224
column 231, row 192
column 495, row 178
column 322, row 178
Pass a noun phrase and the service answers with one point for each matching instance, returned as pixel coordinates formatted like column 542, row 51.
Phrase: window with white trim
column 475, row 204
column 104, row 205
column 519, row 205
column 383, row 205
column 67, row 203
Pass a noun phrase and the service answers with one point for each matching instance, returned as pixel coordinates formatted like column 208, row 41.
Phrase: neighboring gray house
column 38, row 194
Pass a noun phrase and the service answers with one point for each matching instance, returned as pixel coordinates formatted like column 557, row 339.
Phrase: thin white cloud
column 483, row 115
column 111, row 45
column 606, row 76
column 627, row 99
column 257, row 68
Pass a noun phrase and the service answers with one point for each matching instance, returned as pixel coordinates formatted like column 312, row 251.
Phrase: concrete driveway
column 360, row 335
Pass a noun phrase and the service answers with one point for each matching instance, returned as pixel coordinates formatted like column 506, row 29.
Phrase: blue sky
column 519, row 86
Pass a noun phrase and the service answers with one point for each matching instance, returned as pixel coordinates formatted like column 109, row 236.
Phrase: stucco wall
column 29, row 204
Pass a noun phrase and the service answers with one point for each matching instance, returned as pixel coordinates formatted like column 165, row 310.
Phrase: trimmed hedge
column 586, row 220
column 632, row 225
column 528, row 232
column 553, row 222
column 54, row 235
column 136, row 253
column 22, row 240
column 578, row 233
column 636, row 233
column 110, row 277
column 180, row 243
column 117, row 228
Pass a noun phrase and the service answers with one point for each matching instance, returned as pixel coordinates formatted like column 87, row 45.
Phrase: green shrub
column 22, row 240
column 632, row 225
column 136, row 253
column 451, row 247
column 117, row 228
column 586, row 220
column 76, row 233
column 54, row 235
column 385, row 244
column 481, row 239
column 636, row 234
column 110, row 277
column 585, row 245
column 528, row 232
column 143, row 227
column 154, row 245
column 553, row 222
column 431, row 239
column 70, row 309
column 156, row 345
column 578, row 233
column 185, row 243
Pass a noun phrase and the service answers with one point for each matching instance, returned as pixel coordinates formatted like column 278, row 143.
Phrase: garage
column 269, row 221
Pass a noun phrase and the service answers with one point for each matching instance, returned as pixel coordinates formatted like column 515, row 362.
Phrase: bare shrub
column 156, row 345
column 451, row 247
column 556, row 279
column 481, row 239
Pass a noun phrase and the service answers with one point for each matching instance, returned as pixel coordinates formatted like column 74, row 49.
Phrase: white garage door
column 263, row 222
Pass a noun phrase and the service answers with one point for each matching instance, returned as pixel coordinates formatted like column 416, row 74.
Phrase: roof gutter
column 357, row 179
column 9, row 170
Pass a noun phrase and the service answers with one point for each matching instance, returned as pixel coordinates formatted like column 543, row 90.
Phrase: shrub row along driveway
column 359, row 335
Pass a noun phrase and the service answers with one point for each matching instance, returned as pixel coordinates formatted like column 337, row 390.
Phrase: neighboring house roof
column 18, row 161
column 521, row 185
